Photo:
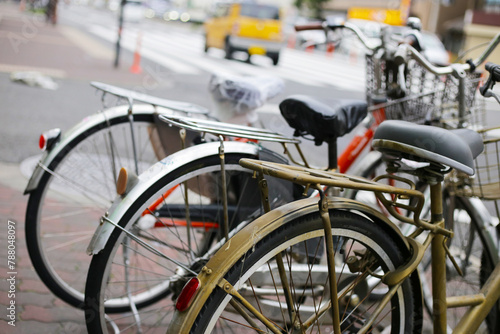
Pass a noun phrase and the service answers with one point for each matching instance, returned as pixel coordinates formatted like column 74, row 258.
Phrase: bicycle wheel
column 128, row 275
column 471, row 246
column 363, row 252
column 73, row 193
column 474, row 253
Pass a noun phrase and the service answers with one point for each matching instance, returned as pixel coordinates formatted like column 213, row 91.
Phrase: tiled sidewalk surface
column 37, row 310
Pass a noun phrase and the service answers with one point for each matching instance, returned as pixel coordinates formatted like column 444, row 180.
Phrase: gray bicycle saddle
column 453, row 148
column 324, row 122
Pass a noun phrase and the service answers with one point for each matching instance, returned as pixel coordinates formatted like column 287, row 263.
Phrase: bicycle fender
column 488, row 228
column 160, row 169
column 214, row 271
column 84, row 125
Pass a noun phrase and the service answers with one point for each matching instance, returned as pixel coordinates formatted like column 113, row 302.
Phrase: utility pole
column 120, row 28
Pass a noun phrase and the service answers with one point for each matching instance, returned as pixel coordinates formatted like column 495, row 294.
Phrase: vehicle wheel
column 299, row 242
column 474, row 255
column 469, row 245
column 275, row 58
column 228, row 49
column 205, row 47
column 128, row 272
column 74, row 192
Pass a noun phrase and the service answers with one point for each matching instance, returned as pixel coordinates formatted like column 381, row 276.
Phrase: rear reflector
column 187, row 294
column 48, row 139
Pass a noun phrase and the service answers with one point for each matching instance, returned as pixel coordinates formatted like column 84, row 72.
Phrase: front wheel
column 363, row 253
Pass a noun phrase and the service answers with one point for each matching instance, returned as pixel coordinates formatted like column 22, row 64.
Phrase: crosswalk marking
column 182, row 52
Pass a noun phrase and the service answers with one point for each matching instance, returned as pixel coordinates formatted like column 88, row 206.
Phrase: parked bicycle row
column 201, row 227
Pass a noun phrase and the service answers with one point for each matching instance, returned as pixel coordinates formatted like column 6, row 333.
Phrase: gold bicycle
column 337, row 265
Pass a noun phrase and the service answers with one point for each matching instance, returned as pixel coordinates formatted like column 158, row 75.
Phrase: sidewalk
column 73, row 59
column 61, row 51
column 37, row 310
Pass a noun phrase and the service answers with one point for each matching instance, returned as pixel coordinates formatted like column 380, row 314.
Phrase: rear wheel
column 275, row 57
column 74, row 192
column 128, row 274
column 205, row 47
column 228, row 49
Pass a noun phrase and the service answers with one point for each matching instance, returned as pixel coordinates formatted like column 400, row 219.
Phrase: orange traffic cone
column 330, row 48
column 136, row 66
column 310, row 47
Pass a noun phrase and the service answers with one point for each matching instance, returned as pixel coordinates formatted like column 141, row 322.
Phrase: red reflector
column 42, row 142
column 187, row 294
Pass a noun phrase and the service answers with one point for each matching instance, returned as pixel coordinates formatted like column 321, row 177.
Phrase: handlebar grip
column 311, row 26
column 494, row 70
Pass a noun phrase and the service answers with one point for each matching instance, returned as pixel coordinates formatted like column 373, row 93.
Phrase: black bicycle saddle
column 453, row 148
column 309, row 116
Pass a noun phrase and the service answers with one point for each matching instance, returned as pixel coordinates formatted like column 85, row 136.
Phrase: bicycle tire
column 475, row 254
column 244, row 200
column 468, row 223
column 58, row 209
column 345, row 225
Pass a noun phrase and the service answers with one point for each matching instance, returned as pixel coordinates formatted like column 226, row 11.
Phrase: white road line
column 129, row 44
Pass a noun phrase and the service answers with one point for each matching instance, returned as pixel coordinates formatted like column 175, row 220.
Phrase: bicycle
column 75, row 180
column 446, row 98
column 124, row 224
column 470, row 218
column 124, row 136
column 364, row 278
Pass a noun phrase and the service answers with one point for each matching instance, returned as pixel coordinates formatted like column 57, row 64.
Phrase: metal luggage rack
column 227, row 130
column 224, row 130
column 131, row 96
column 485, row 184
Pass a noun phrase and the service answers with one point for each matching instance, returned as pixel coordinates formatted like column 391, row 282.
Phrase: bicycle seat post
column 332, row 154
column 438, row 260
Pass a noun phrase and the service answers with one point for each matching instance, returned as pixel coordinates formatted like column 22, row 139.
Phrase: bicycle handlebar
column 370, row 45
column 310, row 26
column 405, row 51
column 494, row 77
column 494, row 70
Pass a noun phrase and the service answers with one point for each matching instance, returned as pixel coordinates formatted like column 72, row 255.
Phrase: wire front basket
column 426, row 98
column 485, row 184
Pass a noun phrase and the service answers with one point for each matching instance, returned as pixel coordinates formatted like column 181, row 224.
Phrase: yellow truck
column 249, row 27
